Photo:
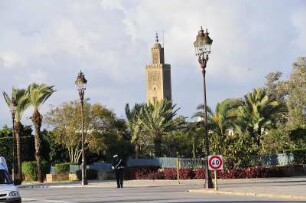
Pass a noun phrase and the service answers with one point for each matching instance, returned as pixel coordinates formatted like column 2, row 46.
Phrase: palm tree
column 157, row 118
column 200, row 114
column 194, row 135
column 223, row 117
column 256, row 115
column 135, row 127
column 18, row 100
column 37, row 95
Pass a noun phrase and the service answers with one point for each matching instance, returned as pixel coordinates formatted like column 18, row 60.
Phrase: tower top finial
column 156, row 37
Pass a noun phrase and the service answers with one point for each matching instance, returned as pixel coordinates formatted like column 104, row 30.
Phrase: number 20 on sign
column 215, row 162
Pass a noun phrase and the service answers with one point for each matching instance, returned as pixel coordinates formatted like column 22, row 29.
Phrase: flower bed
column 250, row 172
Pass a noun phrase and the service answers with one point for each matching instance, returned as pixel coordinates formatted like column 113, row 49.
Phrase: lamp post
column 202, row 47
column 13, row 108
column 81, row 86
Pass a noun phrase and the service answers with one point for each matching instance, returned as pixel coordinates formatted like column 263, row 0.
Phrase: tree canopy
column 100, row 128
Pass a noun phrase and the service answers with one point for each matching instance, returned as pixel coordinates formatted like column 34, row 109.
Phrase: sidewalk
column 293, row 188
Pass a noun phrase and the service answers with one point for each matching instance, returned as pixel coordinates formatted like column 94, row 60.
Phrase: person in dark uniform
column 118, row 167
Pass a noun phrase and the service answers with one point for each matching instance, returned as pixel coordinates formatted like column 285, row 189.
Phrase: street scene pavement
column 229, row 190
column 288, row 188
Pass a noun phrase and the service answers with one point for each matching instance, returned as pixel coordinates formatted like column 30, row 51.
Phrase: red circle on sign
column 213, row 166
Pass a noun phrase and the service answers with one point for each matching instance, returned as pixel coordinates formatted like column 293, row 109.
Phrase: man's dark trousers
column 119, row 177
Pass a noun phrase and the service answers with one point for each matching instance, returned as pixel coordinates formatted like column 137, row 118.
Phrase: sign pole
column 216, row 184
column 178, row 168
column 215, row 162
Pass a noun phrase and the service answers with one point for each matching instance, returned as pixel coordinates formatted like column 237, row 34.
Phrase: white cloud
column 9, row 60
column 38, row 76
column 112, row 5
column 299, row 22
column 110, row 40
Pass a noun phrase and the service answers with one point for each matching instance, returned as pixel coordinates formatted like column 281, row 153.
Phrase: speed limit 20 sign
column 215, row 162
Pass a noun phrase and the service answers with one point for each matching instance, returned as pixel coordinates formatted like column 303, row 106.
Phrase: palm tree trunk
column 136, row 151
column 18, row 149
column 37, row 121
column 193, row 149
column 157, row 146
column 258, row 140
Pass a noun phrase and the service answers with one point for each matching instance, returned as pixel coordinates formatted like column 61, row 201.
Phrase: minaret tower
column 158, row 75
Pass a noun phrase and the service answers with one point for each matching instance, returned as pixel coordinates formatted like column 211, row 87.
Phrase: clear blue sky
column 110, row 40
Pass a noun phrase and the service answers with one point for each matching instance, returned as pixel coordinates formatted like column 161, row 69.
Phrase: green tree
column 135, row 127
column 53, row 152
column 219, row 121
column 238, row 151
column 5, row 131
column 6, row 143
column 225, row 114
column 200, row 114
column 297, row 103
column 118, row 142
column 65, row 122
column 37, row 94
column 17, row 99
column 194, row 133
column 297, row 95
column 278, row 90
column 101, row 128
column 255, row 116
column 276, row 141
column 27, row 144
column 176, row 142
column 157, row 119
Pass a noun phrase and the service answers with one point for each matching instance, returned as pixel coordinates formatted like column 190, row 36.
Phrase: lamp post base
column 84, row 182
column 208, row 184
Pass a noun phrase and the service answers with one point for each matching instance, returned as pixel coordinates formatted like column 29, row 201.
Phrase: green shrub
column 29, row 170
column 46, row 167
column 91, row 174
column 62, row 168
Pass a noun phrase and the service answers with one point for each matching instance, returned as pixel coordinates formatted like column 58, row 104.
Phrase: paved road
column 243, row 190
column 146, row 194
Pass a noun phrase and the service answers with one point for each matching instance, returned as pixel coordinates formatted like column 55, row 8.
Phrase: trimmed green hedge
column 62, row 168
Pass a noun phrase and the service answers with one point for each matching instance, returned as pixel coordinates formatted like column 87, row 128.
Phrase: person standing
column 118, row 167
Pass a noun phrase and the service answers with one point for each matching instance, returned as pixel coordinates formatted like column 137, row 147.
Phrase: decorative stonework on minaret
column 158, row 75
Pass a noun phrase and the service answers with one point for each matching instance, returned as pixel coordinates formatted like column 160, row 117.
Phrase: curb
column 292, row 197
column 44, row 185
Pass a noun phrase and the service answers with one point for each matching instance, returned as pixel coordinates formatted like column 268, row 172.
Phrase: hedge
column 250, row 172
column 62, row 168
column 29, row 170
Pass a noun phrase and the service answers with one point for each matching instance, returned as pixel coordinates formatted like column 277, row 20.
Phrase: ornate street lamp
column 13, row 109
column 202, row 47
column 81, row 85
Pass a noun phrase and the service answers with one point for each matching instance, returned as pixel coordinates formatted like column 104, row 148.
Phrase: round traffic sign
column 215, row 162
